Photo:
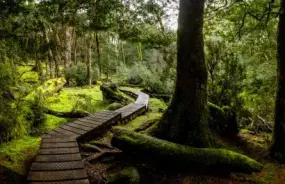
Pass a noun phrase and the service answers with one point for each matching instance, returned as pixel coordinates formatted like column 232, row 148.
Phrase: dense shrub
column 77, row 74
column 140, row 75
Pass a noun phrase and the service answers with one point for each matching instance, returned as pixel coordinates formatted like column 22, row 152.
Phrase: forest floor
column 16, row 156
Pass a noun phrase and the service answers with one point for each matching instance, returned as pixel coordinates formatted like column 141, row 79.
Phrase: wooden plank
column 59, row 145
column 58, row 140
column 100, row 117
column 126, row 114
column 57, row 175
column 58, row 151
column 81, row 127
column 74, row 130
column 84, row 181
column 58, row 158
column 66, row 132
column 57, row 166
column 92, row 121
column 91, row 125
column 54, row 133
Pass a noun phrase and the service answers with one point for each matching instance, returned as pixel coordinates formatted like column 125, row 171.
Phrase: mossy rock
column 128, row 175
column 114, row 106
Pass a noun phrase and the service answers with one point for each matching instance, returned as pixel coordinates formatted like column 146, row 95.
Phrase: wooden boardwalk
column 59, row 161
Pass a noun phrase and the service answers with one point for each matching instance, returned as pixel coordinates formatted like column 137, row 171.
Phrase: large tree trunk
column 185, row 120
column 278, row 147
column 89, row 58
column 181, row 156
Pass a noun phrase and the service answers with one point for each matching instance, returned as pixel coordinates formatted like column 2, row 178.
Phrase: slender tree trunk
column 98, row 53
column 123, row 53
column 67, row 47
column 140, row 56
column 50, row 55
column 74, row 47
column 57, row 53
column 185, row 120
column 89, row 59
column 278, row 146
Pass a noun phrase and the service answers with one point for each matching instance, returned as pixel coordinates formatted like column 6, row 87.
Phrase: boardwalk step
column 74, row 130
column 59, row 145
column 84, row 181
column 58, row 151
column 57, row 166
column 58, row 158
column 81, row 127
column 57, row 175
column 58, row 140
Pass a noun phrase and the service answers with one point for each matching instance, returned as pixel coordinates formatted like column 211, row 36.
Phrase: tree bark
column 123, row 52
column 175, row 155
column 89, row 59
column 50, row 55
column 67, row 47
column 98, row 53
column 74, row 46
column 278, row 146
column 185, row 120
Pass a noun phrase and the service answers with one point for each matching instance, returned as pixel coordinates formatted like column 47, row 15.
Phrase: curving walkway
column 59, row 161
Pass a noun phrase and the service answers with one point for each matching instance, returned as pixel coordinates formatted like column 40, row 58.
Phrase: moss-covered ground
column 19, row 153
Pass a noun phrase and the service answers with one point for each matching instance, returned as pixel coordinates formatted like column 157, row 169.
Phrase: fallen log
column 72, row 114
column 111, row 92
column 182, row 156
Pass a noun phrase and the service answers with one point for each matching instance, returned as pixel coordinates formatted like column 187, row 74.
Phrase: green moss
column 128, row 175
column 52, row 122
column 184, row 155
column 88, row 99
column 17, row 154
column 114, row 106
column 156, row 105
column 131, row 88
column 47, row 89
column 246, row 131
column 27, row 74
column 139, row 121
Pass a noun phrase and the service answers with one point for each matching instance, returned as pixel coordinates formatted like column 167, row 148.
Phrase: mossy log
column 72, row 114
column 111, row 92
column 183, row 156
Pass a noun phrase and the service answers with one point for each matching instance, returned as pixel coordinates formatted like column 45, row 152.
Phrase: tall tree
column 185, row 120
column 278, row 147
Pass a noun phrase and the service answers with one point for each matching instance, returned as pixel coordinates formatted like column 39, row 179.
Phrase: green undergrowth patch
column 18, row 154
column 156, row 105
column 27, row 75
column 131, row 88
column 52, row 122
column 88, row 99
column 48, row 88
column 141, row 120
